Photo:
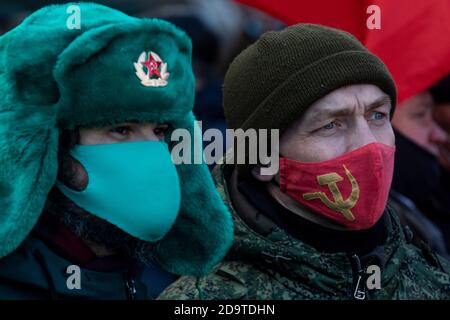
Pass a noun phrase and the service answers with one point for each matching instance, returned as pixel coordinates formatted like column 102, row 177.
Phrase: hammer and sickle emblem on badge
column 339, row 204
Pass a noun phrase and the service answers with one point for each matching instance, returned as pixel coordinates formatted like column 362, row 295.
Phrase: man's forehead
column 363, row 94
column 349, row 97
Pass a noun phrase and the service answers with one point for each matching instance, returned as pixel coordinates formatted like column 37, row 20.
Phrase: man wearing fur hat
column 319, row 228
column 92, row 205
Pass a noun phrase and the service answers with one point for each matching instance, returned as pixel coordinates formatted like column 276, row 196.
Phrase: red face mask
column 351, row 190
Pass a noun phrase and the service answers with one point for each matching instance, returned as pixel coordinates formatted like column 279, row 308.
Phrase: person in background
column 421, row 183
column 441, row 114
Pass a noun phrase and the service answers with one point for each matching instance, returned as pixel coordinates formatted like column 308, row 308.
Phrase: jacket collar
column 60, row 239
column 286, row 257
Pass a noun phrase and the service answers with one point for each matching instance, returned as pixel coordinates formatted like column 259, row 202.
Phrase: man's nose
column 149, row 135
column 438, row 135
column 362, row 135
column 145, row 132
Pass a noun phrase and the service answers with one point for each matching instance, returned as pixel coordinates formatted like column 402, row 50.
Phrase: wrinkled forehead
column 362, row 94
column 347, row 100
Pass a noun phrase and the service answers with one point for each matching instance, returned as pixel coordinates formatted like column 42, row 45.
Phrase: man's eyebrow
column 330, row 112
column 378, row 103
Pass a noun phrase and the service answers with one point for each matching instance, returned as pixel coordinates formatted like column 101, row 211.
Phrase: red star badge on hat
column 152, row 66
column 156, row 75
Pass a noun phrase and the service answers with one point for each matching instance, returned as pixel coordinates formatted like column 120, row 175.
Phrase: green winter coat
column 34, row 272
column 279, row 266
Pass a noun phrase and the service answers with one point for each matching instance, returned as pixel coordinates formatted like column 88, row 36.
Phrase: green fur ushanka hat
column 54, row 77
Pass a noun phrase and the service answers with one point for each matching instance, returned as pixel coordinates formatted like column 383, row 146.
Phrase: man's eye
column 122, row 130
column 378, row 116
column 419, row 115
column 329, row 126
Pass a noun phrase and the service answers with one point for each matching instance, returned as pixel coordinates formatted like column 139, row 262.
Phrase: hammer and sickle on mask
column 339, row 204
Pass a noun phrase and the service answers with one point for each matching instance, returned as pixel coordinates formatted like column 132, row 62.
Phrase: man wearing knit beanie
column 319, row 228
column 92, row 205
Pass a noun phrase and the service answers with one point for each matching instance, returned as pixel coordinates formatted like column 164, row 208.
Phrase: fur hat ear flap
column 203, row 232
column 28, row 157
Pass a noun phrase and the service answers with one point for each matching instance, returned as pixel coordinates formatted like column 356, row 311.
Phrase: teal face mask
column 133, row 185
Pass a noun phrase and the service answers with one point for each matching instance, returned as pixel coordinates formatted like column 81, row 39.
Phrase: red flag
column 413, row 39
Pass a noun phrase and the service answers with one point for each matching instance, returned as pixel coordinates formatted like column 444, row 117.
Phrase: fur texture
column 53, row 78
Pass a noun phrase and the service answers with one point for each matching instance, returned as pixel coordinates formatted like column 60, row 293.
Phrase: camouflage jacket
column 279, row 266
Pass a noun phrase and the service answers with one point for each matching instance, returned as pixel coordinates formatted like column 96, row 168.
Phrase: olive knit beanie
column 272, row 82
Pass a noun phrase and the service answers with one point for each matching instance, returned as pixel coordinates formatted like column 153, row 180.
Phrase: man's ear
column 72, row 173
column 256, row 172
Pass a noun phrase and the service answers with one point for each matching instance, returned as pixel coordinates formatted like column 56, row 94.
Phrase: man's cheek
column 444, row 154
column 387, row 135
